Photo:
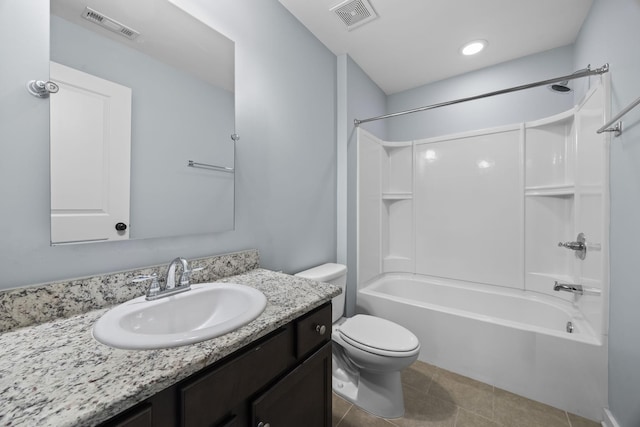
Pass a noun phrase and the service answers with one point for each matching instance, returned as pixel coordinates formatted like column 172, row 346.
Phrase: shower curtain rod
column 578, row 74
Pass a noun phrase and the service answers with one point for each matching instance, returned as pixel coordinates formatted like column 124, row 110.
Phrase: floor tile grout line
column 470, row 410
column 492, row 419
column 493, row 402
column 455, row 420
column 432, row 379
column 566, row 414
column 344, row 415
column 391, row 422
column 421, row 391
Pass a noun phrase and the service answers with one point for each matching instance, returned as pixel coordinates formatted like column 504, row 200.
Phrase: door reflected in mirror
column 144, row 89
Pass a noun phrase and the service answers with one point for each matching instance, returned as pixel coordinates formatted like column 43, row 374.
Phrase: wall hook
column 42, row 89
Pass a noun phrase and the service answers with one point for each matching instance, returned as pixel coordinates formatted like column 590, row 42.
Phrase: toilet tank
column 335, row 274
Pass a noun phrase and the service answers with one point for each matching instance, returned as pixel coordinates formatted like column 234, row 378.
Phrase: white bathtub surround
column 472, row 222
column 609, row 420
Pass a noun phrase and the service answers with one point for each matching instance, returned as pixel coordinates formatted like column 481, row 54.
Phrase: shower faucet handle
column 579, row 246
column 576, row 246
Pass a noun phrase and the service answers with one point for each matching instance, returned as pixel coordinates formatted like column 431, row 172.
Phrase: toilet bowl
column 368, row 352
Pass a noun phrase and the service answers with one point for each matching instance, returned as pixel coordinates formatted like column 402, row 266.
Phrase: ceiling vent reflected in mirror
column 108, row 23
column 354, row 13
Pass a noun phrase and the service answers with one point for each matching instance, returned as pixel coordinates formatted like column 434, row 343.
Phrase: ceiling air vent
column 354, row 13
column 108, row 23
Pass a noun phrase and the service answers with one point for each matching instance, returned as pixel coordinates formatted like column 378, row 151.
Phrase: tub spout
column 568, row 287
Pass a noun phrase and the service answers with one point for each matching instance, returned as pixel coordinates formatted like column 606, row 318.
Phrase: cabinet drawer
column 208, row 398
column 313, row 330
column 141, row 416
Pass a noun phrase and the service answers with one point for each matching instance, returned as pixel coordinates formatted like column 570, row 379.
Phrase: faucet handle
column 186, row 275
column 144, row 278
column 154, row 288
column 576, row 246
column 579, row 246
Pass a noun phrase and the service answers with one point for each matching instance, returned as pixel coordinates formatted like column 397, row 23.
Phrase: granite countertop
column 56, row 374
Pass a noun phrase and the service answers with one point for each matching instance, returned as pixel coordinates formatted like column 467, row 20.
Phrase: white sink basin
column 206, row 311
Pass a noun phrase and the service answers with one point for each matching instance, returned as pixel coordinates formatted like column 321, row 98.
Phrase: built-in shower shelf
column 391, row 145
column 397, row 196
column 551, row 190
column 391, row 263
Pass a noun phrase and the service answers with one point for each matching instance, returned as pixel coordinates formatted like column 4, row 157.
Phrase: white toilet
column 368, row 352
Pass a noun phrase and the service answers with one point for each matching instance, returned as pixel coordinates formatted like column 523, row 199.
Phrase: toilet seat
column 379, row 336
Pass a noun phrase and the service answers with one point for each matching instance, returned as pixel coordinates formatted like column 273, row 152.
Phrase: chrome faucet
column 579, row 246
column 568, row 287
column 170, row 278
column 171, row 287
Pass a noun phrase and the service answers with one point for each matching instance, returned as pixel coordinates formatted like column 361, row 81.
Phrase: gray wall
column 285, row 181
column 611, row 34
column 499, row 110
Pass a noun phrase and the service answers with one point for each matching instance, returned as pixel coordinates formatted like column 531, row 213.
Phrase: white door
column 90, row 157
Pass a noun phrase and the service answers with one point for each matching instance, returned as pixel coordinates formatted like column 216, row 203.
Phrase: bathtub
column 508, row 338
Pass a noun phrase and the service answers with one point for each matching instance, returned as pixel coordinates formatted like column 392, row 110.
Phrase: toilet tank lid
column 324, row 272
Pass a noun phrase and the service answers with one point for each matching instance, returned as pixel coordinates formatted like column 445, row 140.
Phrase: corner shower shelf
column 551, row 190
column 397, row 196
column 390, row 145
column 396, row 263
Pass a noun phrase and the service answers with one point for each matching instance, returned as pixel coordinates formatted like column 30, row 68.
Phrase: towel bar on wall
column 193, row 164
column 617, row 129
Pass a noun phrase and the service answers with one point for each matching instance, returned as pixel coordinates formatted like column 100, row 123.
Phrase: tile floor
column 439, row 398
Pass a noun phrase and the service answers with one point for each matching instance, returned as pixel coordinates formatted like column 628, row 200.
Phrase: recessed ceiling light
column 473, row 47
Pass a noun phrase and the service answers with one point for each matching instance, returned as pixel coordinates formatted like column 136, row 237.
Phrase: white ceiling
column 415, row 42
column 166, row 33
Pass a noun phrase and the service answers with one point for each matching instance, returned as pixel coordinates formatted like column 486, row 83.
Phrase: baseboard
column 609, row 421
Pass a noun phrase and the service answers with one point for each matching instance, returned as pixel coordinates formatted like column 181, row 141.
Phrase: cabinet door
column 208, row 397
column 302, row 398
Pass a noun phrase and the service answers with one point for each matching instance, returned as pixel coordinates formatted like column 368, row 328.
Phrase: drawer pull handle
column 261, row 424
column 321, row 329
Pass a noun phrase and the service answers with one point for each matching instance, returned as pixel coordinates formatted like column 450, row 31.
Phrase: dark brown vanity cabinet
column 300, row 398
column 281, row 380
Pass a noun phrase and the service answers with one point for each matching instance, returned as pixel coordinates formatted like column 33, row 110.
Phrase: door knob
column 121, row 226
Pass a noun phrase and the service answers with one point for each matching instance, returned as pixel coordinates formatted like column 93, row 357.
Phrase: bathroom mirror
column 145, row 88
